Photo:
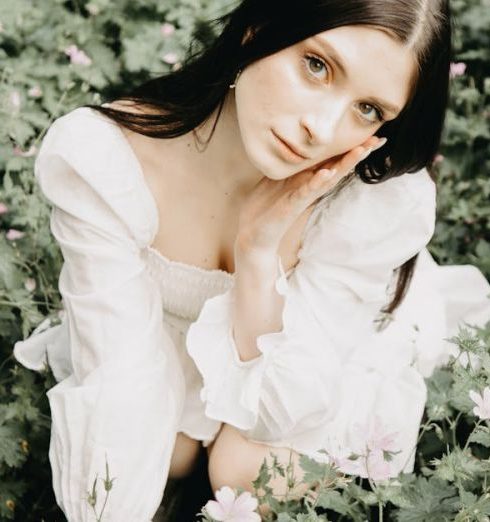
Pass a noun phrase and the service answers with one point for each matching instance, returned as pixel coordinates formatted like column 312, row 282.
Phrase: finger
column 360, row 154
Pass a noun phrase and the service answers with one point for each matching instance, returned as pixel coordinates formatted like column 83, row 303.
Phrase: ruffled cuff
column 46, row 347
column 232, row 387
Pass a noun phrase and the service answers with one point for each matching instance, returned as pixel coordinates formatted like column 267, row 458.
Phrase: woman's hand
column 273, row 206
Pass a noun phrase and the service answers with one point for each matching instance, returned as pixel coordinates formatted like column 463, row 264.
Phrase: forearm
column 257, row 307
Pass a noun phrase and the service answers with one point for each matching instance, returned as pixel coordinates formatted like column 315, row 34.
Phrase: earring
column 233, row 85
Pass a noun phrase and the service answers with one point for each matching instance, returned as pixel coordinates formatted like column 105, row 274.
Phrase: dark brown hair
column 177, row 106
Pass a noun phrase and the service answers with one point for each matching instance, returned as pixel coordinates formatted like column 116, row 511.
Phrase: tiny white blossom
column 482, row 408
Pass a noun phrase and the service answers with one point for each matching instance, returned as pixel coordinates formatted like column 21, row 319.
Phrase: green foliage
column 450, row 480
column 124, row 43
column 463, row 217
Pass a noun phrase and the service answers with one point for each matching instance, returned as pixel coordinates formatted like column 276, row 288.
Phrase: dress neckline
column 142, row 180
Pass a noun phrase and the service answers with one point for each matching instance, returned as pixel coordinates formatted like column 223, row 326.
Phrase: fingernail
column 366, row 154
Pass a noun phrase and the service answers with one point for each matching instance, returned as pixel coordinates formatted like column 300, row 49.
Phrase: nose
column 322, row 123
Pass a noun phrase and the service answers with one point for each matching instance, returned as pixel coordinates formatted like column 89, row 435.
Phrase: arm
column 257, row 306
column 121, row 402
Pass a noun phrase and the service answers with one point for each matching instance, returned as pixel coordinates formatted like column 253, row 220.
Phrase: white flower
column 77, row 56
column 170, row 58
column 30, row 284
column 35, row 92
column 15, row 99
column 229, row 508
column 482, row 408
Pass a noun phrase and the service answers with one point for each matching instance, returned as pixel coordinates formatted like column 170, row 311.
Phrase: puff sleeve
column 321, row 380
column 122, row 398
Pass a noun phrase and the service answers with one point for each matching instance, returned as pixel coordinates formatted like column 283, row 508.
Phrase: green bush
column 119, row 44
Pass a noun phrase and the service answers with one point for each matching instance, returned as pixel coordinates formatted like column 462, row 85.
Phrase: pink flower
column 379, row 438
column 1, row 27
column 19, row 152
column 92, row 9
column 30, row 284
column 482, row 408
column 438, row 158
column 13, row 234
column 3, row 208
column 35, row 92
column 77, row 56
column 170, row 58
column 375, row 466
column 457, row 69
column 167, row 29
column 229, row 508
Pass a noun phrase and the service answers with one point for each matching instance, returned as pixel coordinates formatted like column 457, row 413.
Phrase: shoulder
column 85, row 152
column 372, row 229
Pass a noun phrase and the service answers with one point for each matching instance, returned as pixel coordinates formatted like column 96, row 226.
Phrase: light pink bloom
column 482, row 408
column 35, row 92
column 77, row 56
column 15, row 99
column 30, row 284
column 3, row 208
column 19, row 152
column 92, row 9
column 170, row 58
column 229, row 508
column 1, row 27
column 439, row 158
column 375, row 466
column 457, row 69
column 176, row 66
column 13, row 234
column 167, row 29
column 379, row 438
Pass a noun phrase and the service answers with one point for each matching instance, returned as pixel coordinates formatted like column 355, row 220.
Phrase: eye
column 378, row 113
column 314, row 65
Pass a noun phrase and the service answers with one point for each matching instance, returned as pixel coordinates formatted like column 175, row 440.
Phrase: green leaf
column 481, row 435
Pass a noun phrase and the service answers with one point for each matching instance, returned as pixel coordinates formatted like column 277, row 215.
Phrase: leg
column 184, row 457
column 235, row 461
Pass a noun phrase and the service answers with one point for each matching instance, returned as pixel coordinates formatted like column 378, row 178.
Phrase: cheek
column 271, row 87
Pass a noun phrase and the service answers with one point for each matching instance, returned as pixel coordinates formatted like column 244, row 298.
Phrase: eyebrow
column 336, row 58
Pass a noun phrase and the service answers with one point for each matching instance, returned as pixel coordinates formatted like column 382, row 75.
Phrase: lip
column 291, row 148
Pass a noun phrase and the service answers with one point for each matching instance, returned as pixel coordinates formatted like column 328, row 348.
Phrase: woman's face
column 324, row 96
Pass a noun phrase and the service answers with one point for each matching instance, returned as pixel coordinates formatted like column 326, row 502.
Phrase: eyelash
column 379, row 112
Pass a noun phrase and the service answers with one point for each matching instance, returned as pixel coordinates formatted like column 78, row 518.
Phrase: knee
column 235, row 461
column 229, row 461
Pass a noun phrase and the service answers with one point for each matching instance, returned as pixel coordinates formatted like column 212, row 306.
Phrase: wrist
column 249, row 253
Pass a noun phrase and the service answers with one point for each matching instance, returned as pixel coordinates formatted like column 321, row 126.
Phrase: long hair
column 178, row 102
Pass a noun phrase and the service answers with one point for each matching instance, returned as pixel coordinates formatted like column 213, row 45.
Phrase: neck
column 224, row 160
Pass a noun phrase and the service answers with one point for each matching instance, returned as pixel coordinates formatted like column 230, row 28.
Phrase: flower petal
column 245, row 503
column 226, row 497
column 476, row 398
column 215, row 510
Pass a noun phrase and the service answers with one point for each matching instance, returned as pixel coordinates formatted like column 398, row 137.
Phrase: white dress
column 145, row 349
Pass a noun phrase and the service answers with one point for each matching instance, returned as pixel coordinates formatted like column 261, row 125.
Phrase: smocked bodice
column 184, row 287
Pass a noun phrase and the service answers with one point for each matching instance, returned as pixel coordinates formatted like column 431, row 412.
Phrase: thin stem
column 469, row 436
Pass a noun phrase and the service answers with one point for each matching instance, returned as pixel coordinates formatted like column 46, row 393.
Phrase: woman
column 161, row 230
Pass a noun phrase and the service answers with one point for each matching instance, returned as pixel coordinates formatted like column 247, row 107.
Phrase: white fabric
column 321, row 380
column 126, row 382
